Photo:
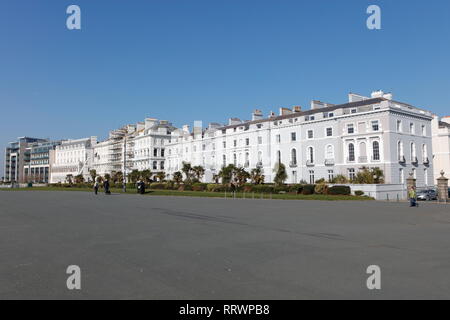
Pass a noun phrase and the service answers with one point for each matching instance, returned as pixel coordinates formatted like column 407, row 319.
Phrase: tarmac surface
column 148, row 247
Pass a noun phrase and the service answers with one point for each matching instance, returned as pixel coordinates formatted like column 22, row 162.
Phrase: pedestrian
column 96, row 186
column 106, row 187
column 412, row 195
column 138, row 186
column 142, row 189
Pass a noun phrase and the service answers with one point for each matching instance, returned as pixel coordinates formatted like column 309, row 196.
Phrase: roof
column 309, row 112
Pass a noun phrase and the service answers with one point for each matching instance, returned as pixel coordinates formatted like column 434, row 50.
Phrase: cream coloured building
column 441, row 146
column 72, row 157
column 321, row 142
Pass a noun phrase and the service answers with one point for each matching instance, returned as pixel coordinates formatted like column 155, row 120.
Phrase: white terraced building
column 134, row 147
column 441, row 146
column 322, row 142
column 72, row 157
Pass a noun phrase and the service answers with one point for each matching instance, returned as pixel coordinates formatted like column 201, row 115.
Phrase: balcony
column 414, row 161
column 246, row 164
column 293, row 164
column 350, row 159
column 362, row 159
column 402, row 159
column 426, row 161
column 310, row 163
column 329, row 162
column 259, row 164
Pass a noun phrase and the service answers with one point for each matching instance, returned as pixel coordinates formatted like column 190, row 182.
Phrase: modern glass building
column 17, row 157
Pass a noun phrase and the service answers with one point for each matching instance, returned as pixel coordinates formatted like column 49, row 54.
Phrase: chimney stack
column 257, row 115
column 296, row 109
column 285, row 111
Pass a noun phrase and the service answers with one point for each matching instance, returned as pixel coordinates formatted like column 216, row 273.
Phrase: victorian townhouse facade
column 322, row 142
column 133, row 147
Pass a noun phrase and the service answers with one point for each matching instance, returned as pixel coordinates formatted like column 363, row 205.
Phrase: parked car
column 427, row 195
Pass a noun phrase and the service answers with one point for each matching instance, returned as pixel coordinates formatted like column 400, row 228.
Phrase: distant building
column 139, row 146
column 17, row 158
column 319, row 143
column 441, row 146
column 72, row 158
column 37, row 167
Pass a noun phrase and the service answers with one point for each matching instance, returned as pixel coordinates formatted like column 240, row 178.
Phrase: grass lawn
column 239, row 195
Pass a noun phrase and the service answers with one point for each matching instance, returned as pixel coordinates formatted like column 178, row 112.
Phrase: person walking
column 412, row 195
column 96, row 186
column 142, row 188
column 138, row 186
column 106, row 187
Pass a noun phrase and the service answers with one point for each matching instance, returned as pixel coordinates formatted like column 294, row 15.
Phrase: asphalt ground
column 148, row 247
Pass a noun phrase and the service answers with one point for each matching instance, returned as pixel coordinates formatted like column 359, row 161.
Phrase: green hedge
column 199, row 186
column 308, row 189
column 339, row 190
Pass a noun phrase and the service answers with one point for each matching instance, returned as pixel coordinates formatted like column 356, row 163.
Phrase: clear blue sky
column 209, row 60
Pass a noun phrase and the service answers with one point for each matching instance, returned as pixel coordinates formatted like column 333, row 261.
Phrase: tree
column 241, row 176
column 198, row 172
column 107, row 176
column 177, row 177
column 280, row 174
column 79, row 179
column 226, row 174
column 256, row 176
column 146, row 175
column 187, row 170
column 93, row 174
column 69, row 179
column 369, row 176
column 134, row 176
column 117, row 177
column 339, row 179
column 161, row 176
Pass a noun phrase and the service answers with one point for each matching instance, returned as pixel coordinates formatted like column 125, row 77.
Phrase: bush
column 308, row 189
column 321, row 188
column 261, row 188
column 185, row 187
column 295, row 188
column 339, row 190
column 158, row 185
column 199, row 186
column 359, row 193
column 281, row 189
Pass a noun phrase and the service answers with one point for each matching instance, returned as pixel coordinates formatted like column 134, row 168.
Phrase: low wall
column 387, row 192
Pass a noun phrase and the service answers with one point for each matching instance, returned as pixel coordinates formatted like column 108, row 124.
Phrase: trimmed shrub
column 281, row 189
column 321, row 188
column 295, row 188
column 359, row 193
column 199, row 186
column 185, row 187
column 339, row 190
column 261, row 188
column 308, row 189
column 156, row 185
